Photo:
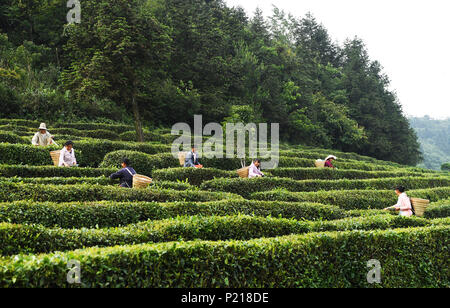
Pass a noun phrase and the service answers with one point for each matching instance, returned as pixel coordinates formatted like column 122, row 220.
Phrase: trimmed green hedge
column 61, row 181
column 94, row 151
column 21, row 239
column 11, row 138
column 192, row 175
column 245, row 187
column 333, row 174
column 50, row 171
column 114, row 214
column 440, row 209
column 117, row 128
column 97, row 134
column 141, row 162
column 69, row 193
column 333, row 259
column 352, row 199
column 21, row 154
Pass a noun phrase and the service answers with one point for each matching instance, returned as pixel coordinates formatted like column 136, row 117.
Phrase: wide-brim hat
column 43, row 126
column 331, row 156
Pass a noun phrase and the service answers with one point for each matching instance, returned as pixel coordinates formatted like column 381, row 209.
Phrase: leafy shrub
column 440, row 209
column 10, row 138
column 94, row 151
column 21, row 154
column 333, row 174
column 68, row 193
column 51, row 171
column 117, row 128
column 245, row 187
column 192, row 175
column 112, row 214
column 60, row 181
column 98, row 133
column 18, row 239
column 141, row 162
column 334, row 259
column 351, row 199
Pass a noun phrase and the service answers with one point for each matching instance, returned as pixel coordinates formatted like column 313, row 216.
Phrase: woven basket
column 243, row 172
column 320, row 163
column 420, row 206
column 182, row 158
column 141, row 181
column 55, row 157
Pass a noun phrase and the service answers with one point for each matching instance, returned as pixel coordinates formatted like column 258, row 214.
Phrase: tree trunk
column 137, row 119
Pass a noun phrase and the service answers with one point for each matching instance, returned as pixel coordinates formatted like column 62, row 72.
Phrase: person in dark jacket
column 125, row 174
column 191, row 160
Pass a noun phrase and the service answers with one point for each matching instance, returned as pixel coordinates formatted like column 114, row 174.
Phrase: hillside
column 434, row 137
column 298, row 227
column 160, row 62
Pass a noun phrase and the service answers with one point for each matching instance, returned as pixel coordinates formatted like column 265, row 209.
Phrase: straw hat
column 331, row 156
column 43, row 126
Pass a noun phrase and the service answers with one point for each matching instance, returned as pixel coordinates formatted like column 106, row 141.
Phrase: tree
column 118, row 51
column 445, row 167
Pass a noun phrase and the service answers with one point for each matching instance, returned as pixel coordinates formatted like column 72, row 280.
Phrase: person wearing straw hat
column 125, row 175
column 42, row 137
column 67, row 156
column 329, row 162
column 404, row 203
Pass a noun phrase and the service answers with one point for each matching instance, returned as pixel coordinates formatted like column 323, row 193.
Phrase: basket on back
column 420, row 206
column 320, row 163
column 141, row 181
column 243, row 172
column 55, row 157
column 182, row 158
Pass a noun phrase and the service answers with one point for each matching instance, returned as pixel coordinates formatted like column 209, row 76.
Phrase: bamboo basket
column 320, row 163
column 243, row 172
column 55, row 157
column 141, row 181
column 420, row 206
column 182, row 158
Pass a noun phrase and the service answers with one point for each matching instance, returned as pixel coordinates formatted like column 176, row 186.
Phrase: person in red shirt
column 329, row 161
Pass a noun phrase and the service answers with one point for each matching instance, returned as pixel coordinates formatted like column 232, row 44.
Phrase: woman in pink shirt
column 404, row 203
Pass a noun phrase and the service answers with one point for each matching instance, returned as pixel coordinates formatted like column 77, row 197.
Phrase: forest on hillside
column 159, row 62
column 434, row 137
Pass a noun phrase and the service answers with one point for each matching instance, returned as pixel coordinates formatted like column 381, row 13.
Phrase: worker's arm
column 35, row 140
column 117, row 175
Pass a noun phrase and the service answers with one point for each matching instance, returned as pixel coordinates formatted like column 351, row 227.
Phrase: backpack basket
column 420, row 206
column 141, row 181
column 55, row 157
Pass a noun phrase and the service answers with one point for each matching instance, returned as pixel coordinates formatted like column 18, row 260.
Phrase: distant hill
column 434, row 137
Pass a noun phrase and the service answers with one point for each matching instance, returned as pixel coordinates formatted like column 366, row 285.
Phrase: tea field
column 298, row 227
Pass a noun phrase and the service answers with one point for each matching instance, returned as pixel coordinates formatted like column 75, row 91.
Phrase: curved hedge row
column 50, row 171
column 6, row 137
column 71, row 193
column 192, row 175
column 333, row 174
column 60, row 181
column 114, row 214
column 245, row 187
column 21, row 154
column 22, row 239
column 141, row 162
column 440, row 209
column 351, row 199
column 292, row 261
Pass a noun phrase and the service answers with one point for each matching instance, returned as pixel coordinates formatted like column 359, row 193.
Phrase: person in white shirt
column 404, row 203
column 254, row 170
column 42, row 137
column 67, row 156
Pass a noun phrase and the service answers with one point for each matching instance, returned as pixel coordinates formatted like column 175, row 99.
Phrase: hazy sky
column 410, row 38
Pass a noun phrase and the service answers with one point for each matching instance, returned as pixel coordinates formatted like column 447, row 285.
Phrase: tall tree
column 117, row 51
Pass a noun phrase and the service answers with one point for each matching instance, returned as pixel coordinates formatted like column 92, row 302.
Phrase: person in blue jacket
column 125, row 174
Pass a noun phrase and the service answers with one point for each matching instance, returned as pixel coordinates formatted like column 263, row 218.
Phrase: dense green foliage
column 162, row 61
column 114, row 214
column 293, row 261
column 434, row 140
